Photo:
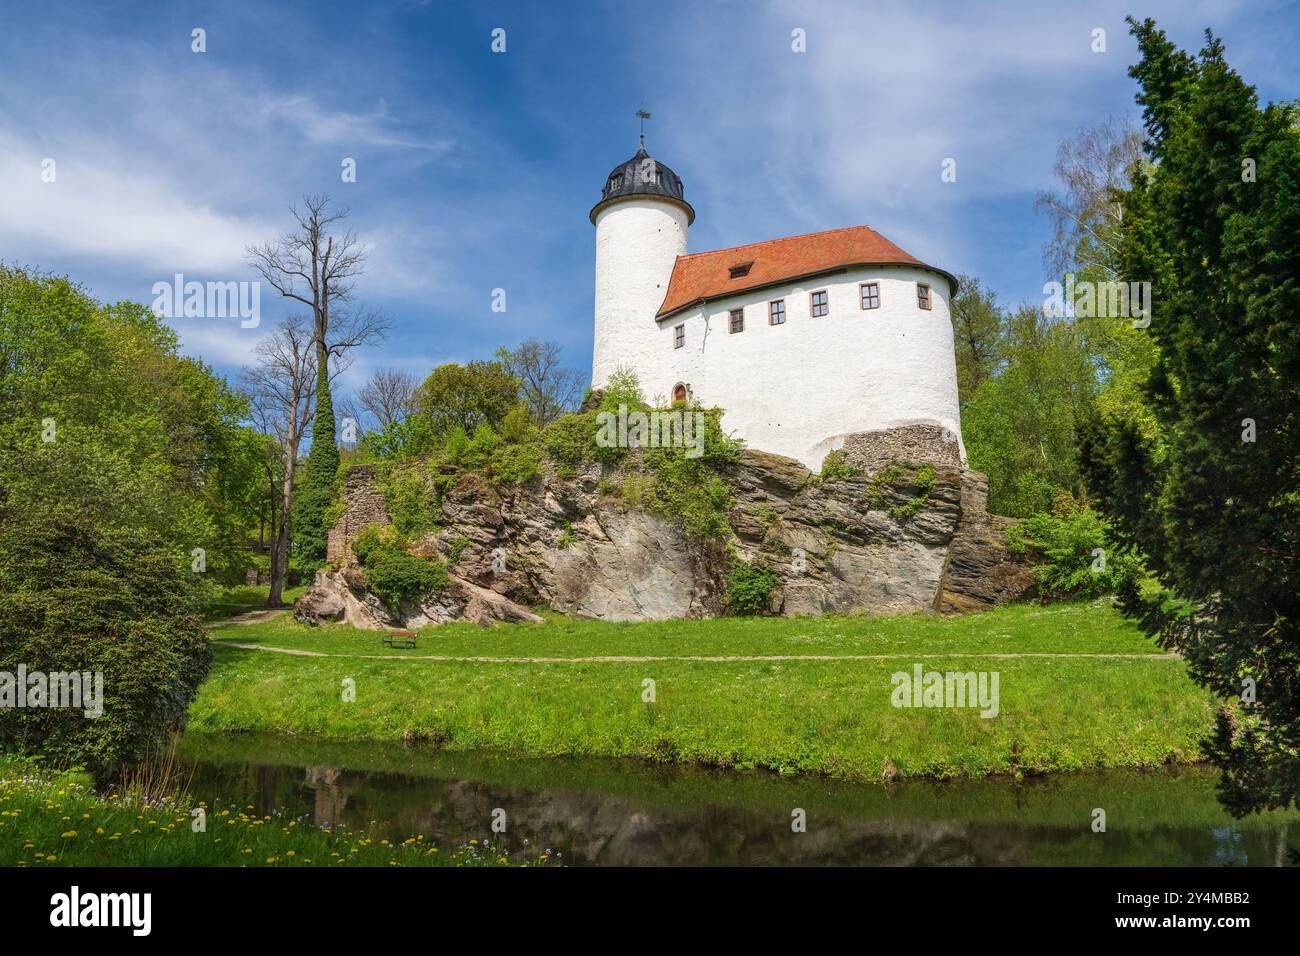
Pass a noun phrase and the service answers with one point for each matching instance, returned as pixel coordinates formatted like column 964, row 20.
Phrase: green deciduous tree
column 977, row 322
column 467, row 396
column 125, row 483
column 1021, row 426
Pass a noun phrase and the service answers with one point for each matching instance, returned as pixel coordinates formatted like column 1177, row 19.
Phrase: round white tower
column 641, row 223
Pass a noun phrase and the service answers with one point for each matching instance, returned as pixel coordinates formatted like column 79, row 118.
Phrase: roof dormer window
column 741, row 270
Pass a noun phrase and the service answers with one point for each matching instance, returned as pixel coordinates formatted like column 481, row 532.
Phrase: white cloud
column 104, row 204
column 376, row 129
column 219, row 341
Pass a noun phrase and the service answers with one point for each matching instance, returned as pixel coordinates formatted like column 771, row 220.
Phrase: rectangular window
column 776, row 312
column 737, row 321
column 679, row 336
column 817, row 303
column 870, row 295
column 922, row 296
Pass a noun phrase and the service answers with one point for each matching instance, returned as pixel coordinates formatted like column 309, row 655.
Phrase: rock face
column 341, row 595
column 846, row 544
column 981, row 571
column 901, row 534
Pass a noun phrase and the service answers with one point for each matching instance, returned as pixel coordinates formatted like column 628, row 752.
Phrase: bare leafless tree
column 1085, row 211
column 282, row 392
column 386, row 398
column 281, row 389
column 314, row 265
column 317, row 264
column 546, row 387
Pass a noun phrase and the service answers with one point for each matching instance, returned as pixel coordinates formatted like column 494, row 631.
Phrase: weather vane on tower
column 644, row 116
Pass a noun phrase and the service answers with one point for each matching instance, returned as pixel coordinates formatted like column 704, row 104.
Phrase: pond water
column 610, row 812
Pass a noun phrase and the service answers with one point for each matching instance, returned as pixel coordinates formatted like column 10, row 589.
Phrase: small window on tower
column 740, row 271
column 679, row 336
column 613, row 184
column 817, row 303
column 737, row 321
column 922, row 296
column 776, row 312
column 870, row 295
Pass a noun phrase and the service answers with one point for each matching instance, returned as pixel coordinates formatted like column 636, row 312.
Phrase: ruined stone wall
column 365, row 506
column 924, row 442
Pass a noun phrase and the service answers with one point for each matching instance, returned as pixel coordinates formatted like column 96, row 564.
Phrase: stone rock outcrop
column 980, row 572
column 341, row 595
column 568, row 546
column 899, row 534
column 846, row 544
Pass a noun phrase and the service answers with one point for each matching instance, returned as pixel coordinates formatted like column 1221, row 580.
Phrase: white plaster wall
column 797, row 389
column 637, row 242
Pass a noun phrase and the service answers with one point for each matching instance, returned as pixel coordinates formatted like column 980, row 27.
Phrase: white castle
column 803, row 341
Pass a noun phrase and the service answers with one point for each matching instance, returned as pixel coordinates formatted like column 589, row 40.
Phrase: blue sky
column 477, row 170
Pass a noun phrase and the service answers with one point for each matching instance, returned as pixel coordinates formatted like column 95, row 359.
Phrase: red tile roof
column 703, row 276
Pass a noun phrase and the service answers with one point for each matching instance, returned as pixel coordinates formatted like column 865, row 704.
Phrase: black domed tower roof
column 643, row 176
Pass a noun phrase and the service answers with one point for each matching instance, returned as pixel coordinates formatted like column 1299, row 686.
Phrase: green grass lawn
column 1022, row 628
column 50, row 818
column 238, row 598
column 824, row 717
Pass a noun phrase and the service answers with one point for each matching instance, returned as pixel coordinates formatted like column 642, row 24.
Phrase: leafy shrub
column 623, row 388
column 456, row 548
column 412, row 498
column 1066, row 539
column 85, row 598
column 518, row 463
column 571, row 439
column 836, row 466
column 922, row 485
column 920, row 482
column 691, row 491
column 472, row 452
column 411, row 437
column 518, row 426
column 749, row 588
column 392, row 573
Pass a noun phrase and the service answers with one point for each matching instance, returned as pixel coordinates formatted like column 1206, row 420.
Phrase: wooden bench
column 398, row 638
